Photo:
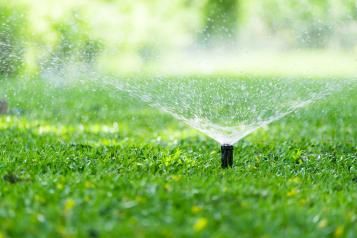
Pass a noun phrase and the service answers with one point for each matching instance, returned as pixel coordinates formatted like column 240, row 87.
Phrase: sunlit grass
column 78, row 163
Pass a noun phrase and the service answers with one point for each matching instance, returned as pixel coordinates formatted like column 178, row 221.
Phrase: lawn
column 93, row 162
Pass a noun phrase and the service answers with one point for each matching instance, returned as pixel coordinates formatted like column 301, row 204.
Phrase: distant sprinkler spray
column 227, row 156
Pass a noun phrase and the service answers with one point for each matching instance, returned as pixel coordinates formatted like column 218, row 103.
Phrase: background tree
column 220, row 20
column 12, row 25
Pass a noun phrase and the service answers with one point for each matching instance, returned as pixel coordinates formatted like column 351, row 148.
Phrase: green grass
column 97, row 163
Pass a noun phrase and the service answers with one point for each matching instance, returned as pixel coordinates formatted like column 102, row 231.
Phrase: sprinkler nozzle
column 227, row 156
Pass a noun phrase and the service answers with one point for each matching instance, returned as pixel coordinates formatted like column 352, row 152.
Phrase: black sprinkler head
column 227, row 156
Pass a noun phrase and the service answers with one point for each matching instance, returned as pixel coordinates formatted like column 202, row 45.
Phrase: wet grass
column 78, row 162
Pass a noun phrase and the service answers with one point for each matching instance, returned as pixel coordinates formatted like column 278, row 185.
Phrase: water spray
column 227, row 156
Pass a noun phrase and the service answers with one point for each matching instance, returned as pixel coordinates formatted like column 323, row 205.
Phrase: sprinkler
column 227, row 156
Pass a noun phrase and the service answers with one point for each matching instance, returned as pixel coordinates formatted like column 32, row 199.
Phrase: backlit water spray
column 228, row 108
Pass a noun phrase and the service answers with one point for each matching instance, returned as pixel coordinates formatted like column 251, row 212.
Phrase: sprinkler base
column 227, row 156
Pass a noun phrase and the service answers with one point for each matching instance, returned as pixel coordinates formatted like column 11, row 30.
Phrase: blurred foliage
column 309, row 24
column 137, row 33
column 73, row 43
column 220, row 19
column 12, row 25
